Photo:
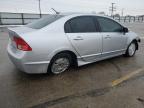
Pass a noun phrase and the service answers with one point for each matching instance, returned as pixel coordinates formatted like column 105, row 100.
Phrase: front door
column 114, row 40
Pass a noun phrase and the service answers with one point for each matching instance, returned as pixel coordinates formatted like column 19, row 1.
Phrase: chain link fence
column 129, row 19
column 24, row 18
column 18, row 18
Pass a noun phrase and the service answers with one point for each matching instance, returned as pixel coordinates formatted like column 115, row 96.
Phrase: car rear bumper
column 27, row 66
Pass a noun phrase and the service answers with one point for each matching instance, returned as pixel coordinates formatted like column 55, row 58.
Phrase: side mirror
column 125, row 30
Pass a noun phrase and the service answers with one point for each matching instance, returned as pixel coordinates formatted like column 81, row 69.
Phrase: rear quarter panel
column 47, row 42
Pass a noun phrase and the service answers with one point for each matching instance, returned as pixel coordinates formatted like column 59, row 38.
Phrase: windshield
column 38, row 24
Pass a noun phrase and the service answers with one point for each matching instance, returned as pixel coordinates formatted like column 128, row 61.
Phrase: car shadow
column 70, row 71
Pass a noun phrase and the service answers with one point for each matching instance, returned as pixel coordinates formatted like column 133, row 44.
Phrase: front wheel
column 60, row 63
column 131, row 50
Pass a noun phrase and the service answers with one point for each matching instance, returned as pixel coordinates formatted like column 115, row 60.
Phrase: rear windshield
column 38, row 24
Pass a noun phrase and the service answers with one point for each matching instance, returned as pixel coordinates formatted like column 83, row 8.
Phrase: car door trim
column 113, row 52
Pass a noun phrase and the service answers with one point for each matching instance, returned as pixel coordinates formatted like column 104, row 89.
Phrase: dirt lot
column 112, row 83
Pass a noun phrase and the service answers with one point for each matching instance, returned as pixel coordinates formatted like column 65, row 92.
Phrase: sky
column 129, row 7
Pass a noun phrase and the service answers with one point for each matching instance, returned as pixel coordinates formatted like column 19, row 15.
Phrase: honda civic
column 57, row 42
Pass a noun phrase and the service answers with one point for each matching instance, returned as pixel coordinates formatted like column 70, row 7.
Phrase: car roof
column 82, row 14
column 75, row 14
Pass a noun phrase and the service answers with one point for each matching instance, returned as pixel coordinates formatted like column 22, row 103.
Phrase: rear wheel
column 131, row 49
column 60, row 63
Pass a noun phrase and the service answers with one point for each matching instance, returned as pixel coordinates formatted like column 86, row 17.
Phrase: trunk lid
column 21, row 30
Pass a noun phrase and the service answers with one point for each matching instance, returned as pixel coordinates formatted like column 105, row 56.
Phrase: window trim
column 108, row 19
column 70, row 31
column 97, row 24
column 92, row 18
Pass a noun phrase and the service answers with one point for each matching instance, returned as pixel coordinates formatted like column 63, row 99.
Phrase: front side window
column 83, row 24
column 108, row 25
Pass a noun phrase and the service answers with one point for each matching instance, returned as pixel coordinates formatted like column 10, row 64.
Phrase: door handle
column 108, row 37
column 78, row 38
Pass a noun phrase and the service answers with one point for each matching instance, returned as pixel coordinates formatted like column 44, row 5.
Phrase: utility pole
column 112, row 9
column 122, row 13
column 39, row 7
column 0, row 19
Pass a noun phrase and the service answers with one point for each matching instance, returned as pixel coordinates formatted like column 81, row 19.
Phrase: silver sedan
column 56, row 42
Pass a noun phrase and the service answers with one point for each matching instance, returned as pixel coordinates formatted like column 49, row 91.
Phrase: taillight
column 21, row 44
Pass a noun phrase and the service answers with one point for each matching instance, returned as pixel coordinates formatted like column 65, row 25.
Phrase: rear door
column 114, row 40
column 84, row 36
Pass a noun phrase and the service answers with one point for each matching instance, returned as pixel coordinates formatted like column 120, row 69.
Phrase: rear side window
column 83, row 24
column 44, row 21
column 108, row 25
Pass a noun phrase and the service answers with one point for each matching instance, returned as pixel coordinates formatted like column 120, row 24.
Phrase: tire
column 131, row 50
column 60, row 63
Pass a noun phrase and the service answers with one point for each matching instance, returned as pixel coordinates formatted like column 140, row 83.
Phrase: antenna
column 55, row 11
